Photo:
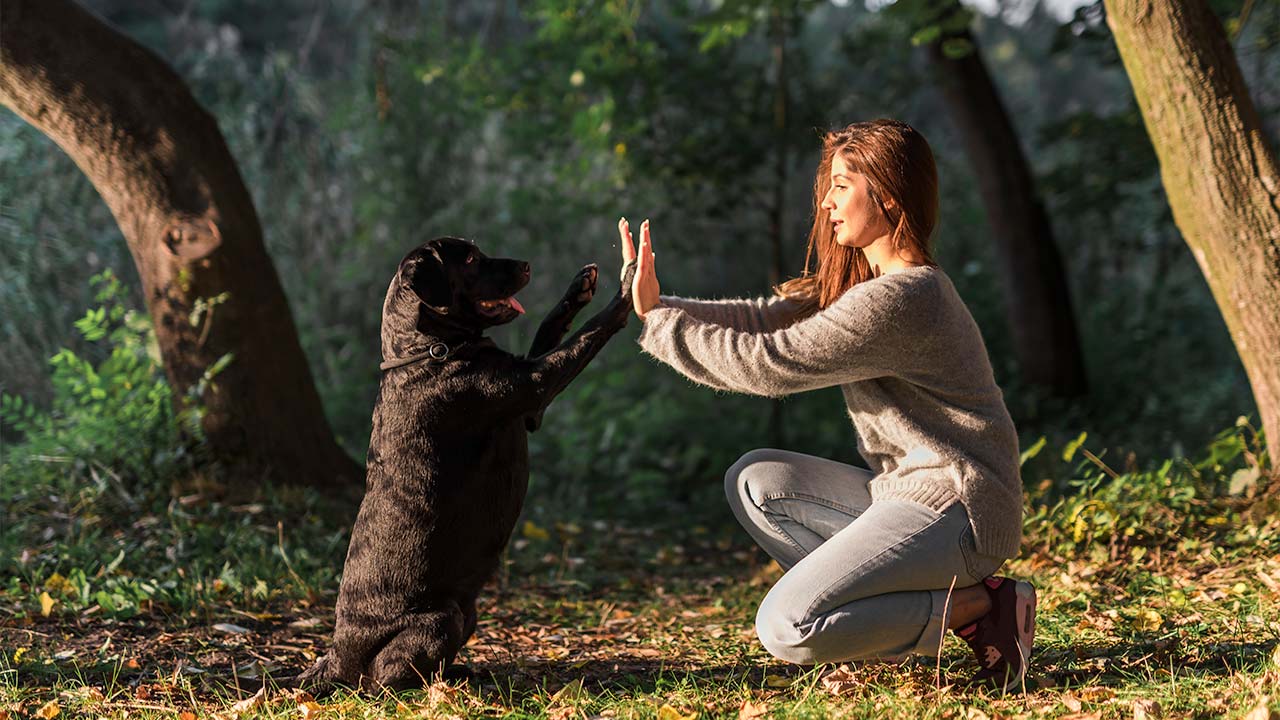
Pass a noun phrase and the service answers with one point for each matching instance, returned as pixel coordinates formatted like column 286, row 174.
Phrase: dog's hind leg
column 421, row 651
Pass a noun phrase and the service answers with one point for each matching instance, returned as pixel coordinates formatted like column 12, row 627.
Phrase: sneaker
column 1002, row 638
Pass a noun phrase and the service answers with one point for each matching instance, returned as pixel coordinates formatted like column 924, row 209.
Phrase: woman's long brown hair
column 899, row 166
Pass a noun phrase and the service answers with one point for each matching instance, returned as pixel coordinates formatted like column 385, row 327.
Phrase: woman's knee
column 783, row 638
column 748, row 470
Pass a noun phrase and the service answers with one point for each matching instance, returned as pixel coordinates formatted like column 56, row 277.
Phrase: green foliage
column 107, row 419
column 1096, row 505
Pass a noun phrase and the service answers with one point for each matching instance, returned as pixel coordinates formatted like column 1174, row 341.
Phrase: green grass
column 608, row 620
column 156, row 593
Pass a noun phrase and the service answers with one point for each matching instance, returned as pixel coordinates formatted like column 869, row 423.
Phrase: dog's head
column 448, row 283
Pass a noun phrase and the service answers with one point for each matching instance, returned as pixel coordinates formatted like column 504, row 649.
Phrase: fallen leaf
column 49, row 710
column 250, row 703
column 309, row 709
column 666, row 712
column 571, row 693
column 90, row 694
column 563, row 712
column 302, row 696
column 1072, row 702
column 533, row 532
column 973, row 713
column 1262, row 712
column 1146, row 710
column 840, row 681
column 777, row 681
column 1148, row 620
column 46, row 603
column 752, row 711
column 186, row 715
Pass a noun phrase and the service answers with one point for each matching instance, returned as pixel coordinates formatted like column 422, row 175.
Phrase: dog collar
column 437, row 352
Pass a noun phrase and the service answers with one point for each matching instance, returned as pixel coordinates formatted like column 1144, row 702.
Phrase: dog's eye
column 470, row 259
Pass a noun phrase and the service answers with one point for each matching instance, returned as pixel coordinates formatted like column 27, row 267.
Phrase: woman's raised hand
column 644, row 289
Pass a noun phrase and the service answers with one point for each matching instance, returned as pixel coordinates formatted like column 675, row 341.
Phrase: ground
column 609, row 621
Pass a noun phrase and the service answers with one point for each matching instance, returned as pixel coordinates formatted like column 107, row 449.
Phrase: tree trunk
column 1037, row 298
column 1220, row 176
column 160, row 163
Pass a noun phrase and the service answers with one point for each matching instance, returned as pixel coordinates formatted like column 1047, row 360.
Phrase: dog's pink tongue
column 516, row 305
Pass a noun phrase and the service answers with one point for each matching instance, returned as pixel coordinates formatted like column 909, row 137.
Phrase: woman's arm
column 764, row 314
column 851, row 340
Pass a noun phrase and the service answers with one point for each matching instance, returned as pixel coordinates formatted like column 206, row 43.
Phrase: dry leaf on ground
column 1146, row 710
column 49, row 710
column 1262, row 712
column 752, row 711
column 777, row 681
column 666, row 712
column 840, row 681
column 250, row 703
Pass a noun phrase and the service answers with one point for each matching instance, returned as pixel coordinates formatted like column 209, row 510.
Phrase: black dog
column 448, row 462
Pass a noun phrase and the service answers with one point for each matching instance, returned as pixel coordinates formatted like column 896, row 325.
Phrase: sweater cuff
column 653, row 326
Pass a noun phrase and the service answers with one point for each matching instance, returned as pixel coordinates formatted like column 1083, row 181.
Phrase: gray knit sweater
column 930, row 420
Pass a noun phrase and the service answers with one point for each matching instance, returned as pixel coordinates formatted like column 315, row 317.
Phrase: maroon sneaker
column 1002, row 638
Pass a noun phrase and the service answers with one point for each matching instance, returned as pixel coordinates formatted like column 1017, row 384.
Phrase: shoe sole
column 1025, row 612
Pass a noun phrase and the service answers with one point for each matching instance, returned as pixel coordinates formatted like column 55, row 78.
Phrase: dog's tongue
column 515, row 305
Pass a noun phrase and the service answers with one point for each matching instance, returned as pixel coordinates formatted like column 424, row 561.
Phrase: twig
column 1098, row 461
column 942, row 637
column 1240, row 21
column 288, row 565
column 607, row 612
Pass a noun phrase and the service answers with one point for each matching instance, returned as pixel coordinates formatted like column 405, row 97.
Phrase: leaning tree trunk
column 1220, row 176
column 160, row 163
column 1037, row 299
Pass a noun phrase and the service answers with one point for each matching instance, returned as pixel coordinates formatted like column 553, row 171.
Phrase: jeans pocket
column 978, row 565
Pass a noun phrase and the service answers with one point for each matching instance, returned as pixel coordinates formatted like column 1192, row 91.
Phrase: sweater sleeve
column 855, row 338
column 764, row 314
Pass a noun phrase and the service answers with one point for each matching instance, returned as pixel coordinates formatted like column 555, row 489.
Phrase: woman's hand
column 644, row 289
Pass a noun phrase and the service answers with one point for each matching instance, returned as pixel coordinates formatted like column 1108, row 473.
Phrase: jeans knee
column 739, row 476
column 783, row 639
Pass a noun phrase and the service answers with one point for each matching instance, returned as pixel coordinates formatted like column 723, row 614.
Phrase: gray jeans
column 864, row 580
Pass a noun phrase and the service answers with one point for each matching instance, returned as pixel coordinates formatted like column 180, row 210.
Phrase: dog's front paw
column 583, row 287
column 628, row 278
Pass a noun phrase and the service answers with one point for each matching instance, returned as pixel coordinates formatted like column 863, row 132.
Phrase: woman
column 878, row 563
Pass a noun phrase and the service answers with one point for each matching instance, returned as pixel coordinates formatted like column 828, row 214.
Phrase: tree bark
column 160, row 163
column 1220, row 176
column 1037, row 298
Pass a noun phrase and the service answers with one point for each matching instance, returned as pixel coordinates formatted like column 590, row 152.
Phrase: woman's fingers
column 646, row 241
column 624, row 235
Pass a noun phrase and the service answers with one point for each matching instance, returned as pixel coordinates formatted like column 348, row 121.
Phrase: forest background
column 363, row 128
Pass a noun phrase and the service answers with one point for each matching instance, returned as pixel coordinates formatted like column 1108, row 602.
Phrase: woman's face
column 855, row 218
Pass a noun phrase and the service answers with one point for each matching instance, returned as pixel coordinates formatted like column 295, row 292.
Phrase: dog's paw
column 583, row 287
column 628, row 276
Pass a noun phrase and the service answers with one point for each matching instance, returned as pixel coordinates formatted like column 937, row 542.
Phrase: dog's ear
column 425, row 275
